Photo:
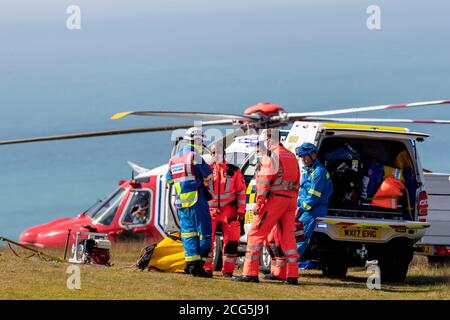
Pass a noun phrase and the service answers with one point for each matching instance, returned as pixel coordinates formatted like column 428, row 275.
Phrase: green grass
column 31, row 278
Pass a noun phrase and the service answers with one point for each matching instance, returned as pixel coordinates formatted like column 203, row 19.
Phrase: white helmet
column 194, row 133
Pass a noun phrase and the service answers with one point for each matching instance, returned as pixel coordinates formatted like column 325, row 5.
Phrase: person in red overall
column 227, row 208
column 277, row 185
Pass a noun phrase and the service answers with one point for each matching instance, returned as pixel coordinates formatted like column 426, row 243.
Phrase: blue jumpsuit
column 195, row 221
column 314, row 195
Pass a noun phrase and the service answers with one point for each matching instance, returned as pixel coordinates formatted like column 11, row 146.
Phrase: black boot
column 246, row 279
column 271, row 276
column 188, row 267
column 198, row 270
column 292, row 281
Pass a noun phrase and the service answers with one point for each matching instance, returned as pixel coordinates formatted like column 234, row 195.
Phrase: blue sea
column 194, row 55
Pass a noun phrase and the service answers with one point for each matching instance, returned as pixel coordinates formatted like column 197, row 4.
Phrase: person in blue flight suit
column 316, row 189
column 190, row 174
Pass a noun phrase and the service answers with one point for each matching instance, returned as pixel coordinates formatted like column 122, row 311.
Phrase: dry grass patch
column 31, row 278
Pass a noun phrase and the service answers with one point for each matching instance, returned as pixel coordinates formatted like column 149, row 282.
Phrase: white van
column 354, row 231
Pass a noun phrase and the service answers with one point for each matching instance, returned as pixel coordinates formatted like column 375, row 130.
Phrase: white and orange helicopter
column 149, row 191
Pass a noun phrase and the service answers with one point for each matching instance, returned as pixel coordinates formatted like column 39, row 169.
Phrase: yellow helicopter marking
column 120, row 115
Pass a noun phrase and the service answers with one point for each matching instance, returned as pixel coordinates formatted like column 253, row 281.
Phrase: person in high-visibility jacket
column 316, row 189
column 227, row 208
column 190, row 174
column 277, row 185
column 277, row 259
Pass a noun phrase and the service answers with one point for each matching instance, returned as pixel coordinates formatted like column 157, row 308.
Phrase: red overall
column 277, row 185
column 228, row 204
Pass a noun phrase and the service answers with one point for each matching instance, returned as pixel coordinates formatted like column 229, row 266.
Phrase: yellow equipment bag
column 403, row 160
column 168, row 256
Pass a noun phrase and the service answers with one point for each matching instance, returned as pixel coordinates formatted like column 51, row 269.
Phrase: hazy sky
column 208, row 55
column 194, row 55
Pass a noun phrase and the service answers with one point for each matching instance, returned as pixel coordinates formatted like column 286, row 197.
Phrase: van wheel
column 264, row 265
column 217, row 255
column 394, row 264
column 335, row 267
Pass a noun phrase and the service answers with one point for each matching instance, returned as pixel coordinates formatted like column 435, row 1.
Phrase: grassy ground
column 31, row 278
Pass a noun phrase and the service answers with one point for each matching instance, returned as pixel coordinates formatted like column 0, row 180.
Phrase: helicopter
column 149, row 193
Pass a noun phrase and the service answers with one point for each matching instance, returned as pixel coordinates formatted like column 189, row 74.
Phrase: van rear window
column 359, row 167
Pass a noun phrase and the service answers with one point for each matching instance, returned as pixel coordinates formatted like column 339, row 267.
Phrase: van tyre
column 394, row 264
column 335, row 267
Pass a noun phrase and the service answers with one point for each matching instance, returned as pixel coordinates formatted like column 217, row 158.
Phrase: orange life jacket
column 388, row 193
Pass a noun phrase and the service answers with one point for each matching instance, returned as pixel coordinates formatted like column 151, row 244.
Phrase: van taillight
column 423, row 206
column 441, row 251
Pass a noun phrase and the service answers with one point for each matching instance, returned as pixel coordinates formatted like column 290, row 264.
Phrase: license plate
column 371, row 233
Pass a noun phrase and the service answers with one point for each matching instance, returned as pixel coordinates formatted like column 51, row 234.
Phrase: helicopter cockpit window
column 138, row 209
column 107, row 210
column 95, row 208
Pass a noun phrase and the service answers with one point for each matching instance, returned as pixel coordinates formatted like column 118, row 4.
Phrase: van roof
column 363, row 126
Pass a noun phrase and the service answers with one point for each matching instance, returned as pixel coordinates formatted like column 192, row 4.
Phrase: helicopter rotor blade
column 303, row 115
column 422, row 121
column 113, row 132
column 177, row 114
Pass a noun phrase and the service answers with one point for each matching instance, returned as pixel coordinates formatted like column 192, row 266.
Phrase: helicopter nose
column 27, row 237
